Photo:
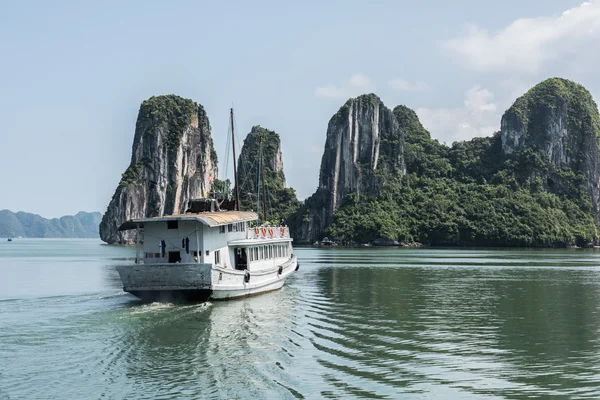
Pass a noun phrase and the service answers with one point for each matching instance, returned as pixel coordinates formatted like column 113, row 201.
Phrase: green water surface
column 351, row 323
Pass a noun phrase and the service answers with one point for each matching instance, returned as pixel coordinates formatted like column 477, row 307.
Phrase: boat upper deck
column 208, row 218
column 225, row 221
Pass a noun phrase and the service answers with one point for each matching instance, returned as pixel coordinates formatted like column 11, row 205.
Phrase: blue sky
column 73, row 74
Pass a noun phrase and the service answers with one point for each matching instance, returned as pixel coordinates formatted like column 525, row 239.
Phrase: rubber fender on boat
column 297, row 266
column 247, row 277
column 280, row 270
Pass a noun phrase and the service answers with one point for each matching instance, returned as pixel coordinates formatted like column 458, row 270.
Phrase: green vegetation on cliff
column 169, row 112
column 466, row 210
column 477, row 192
column 582, row 112
column 281, row 201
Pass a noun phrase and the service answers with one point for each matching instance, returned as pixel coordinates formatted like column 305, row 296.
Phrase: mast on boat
column 262, row 171
column 235, row 177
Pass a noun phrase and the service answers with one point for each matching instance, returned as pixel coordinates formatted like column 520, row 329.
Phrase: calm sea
column 352, row 323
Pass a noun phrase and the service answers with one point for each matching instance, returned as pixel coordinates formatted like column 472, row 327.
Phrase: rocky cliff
column 363, row 149
column 552, row 132
column 281, row 201
column 534, row 183
column 171, row 162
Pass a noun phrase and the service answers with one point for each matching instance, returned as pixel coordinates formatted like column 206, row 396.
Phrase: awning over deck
column 211, row 219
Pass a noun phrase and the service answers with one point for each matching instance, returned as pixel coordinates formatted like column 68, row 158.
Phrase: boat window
column 250, row 255
column 217, row 257
column 172, row 224
column 229, row 227
column 256, row 253
column 278, row 251
column 262, row 253
column 222, row 229
column 270, row 252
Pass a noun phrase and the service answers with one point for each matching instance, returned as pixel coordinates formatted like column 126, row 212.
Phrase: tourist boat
column 209, row 252
column 10, row 239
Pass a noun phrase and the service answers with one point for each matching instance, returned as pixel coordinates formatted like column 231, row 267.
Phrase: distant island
column 22, row 224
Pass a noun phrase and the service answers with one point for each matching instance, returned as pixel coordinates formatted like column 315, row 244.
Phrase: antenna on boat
column 235, row 177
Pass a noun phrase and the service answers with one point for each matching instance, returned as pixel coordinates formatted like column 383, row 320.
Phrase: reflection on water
column 368, row 323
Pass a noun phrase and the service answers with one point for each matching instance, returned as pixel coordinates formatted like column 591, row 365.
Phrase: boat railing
column 268, row 232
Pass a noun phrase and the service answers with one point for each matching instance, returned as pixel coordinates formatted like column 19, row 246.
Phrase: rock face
column 172, row 161
column 281, row 201
column 364, row 146
column 248, row 160
column 553, row 130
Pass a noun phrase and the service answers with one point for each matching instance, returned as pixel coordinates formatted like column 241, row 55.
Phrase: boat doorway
column 241, row 260
column 174, row 257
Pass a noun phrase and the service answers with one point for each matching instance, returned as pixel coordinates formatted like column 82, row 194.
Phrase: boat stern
column 167, row 282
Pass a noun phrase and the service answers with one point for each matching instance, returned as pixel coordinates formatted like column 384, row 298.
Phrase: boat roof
column 212, row 219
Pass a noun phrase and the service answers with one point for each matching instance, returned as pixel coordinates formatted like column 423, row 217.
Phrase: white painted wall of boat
column 208, row 242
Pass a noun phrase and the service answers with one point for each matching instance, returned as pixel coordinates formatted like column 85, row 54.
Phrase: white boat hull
column 200, row 282
column 233, row 285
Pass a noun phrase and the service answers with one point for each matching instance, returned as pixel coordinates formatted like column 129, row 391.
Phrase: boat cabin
column 224, row 239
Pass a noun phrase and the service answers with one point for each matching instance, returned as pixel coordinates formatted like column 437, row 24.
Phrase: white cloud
column 357, row 84
column 528, row 43
column 479, row 100
column 401, row 84
column 478, row 117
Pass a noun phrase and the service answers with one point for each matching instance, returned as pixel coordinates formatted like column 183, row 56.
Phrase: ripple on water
column 368, row 323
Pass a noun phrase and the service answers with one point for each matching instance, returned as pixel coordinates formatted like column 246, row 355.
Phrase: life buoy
column 264, row 231
column 257, row 231
column 271, row 233
column 247, row 277
column 282, row 230
column 280, row 270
